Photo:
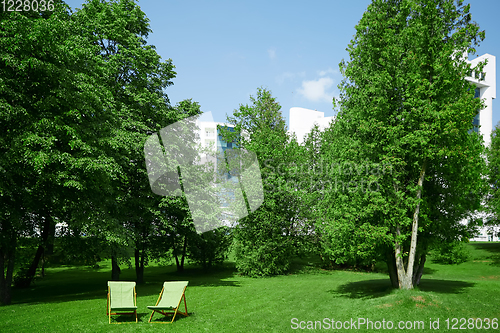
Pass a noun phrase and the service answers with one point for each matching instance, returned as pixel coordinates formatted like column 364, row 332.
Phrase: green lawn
column 74, row 299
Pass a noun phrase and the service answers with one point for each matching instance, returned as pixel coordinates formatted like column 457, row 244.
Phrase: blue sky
column 224, row 50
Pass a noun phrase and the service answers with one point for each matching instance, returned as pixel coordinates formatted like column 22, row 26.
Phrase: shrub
column 211, row 247
column 451, row 253
column 262, row 248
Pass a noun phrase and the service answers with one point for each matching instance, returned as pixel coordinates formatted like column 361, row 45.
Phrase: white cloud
column 272, row 53
column 316, row 90
column 328, row 71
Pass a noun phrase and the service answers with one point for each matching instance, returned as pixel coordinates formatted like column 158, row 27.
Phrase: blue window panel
column 475, row 121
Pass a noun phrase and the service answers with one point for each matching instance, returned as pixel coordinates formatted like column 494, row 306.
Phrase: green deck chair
column 170, row 298
column 122, row 299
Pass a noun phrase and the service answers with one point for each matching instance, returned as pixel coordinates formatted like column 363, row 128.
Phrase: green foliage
column 267, row 238
column 55, row 120
column 451, row 253
column 211, row 247
column 77, row 250
column 261, row 247
column 137, row 77
column 24, row 255
column 408, row 167
column 79, row 94
column 493, row 157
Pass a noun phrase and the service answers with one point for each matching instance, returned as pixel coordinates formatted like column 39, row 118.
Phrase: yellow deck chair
column 170, row 298
column 122, row 299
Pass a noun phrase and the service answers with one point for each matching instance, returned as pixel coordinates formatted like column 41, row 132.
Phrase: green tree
column 211, row 247
column 267, row 239
column 54, row 118
column 493, row 201
column 403, row 129
column 138, row 78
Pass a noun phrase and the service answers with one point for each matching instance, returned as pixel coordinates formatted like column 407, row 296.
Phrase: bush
column 262, row 248
column 451, row 253
column 211, row 247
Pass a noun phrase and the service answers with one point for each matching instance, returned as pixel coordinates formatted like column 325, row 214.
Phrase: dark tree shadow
column 491, row 247
column 368, row 289
column 364, row 289
column 82, row 283
column 444, row 286
column 159, row 318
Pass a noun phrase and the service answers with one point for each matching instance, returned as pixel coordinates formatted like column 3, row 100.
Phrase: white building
column 487, row 91
column 483, row 122
column 302, row 121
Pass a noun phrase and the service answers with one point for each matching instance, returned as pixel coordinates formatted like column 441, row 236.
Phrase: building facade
column 302, row 120
column 486, row 90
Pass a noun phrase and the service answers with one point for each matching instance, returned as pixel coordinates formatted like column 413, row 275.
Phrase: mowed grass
column 73, row 299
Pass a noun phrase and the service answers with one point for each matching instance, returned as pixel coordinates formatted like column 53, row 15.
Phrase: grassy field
column 73, row 299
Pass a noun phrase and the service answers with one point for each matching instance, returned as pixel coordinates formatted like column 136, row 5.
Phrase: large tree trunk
column 391, row 267
column 400, row 267
column 419, row 270
column 139, row 265
column 7, row 260
column 46, row 247
column 180, row 263
column 174, row 252
column 30, row 274
column 184, row 247
column 406, row 276
column 115, row 269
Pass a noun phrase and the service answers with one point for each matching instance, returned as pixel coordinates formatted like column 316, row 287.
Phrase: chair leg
column 175, row 313
column 185, row 306
column 151, row 317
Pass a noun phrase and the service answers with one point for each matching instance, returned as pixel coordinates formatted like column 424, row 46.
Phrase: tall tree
column 493, row 201
column 405, row 111
column 137, row 77
column 267, row 238
column 54, row 120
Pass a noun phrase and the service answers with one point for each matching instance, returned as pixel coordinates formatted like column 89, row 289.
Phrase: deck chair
column 170, row 298
column 122, row 299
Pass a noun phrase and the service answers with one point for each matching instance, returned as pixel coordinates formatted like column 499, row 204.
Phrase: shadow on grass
column 127, row 319
column 306, row 265
column 444, row 286
column 491, row 247
column 158, row 318
column 83, row 283
column 367, row 289
column 364, row 289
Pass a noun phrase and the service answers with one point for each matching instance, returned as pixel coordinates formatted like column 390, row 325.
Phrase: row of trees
column 396, row 172
column 79, row 94
column 388, row 181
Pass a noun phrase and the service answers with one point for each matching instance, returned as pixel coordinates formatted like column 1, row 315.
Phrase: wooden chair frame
column 175, row 310
column 109, row 313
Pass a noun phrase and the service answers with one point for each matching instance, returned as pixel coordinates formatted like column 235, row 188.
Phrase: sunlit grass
column 74, row 298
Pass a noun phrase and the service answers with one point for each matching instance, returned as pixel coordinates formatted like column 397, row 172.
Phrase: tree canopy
column 405, row 114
